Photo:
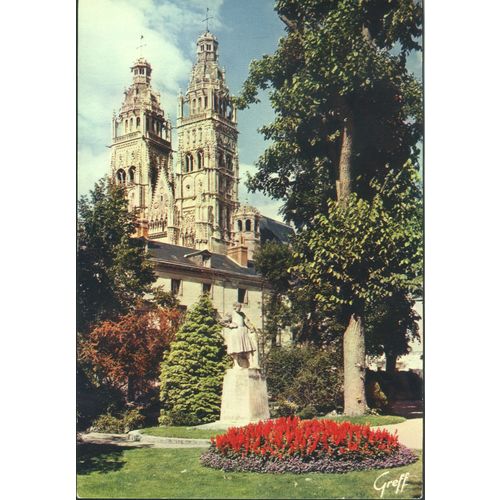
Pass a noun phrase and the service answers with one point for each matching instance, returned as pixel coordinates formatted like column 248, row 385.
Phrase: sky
column 109, row 34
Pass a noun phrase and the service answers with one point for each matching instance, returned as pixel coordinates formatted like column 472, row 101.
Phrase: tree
column 126, row 353
column 391, row 324
column 347, row 112
column 360, row 253
column 113, row 271
column 193, row 370
column 345, row 104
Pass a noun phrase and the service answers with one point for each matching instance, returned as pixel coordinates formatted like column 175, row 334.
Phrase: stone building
column 200, row 237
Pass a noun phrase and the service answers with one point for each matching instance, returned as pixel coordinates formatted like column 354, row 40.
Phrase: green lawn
column 190, row 432
column 371, row 420
column 106, row 471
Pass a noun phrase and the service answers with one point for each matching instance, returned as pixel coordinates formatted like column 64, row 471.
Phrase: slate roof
column 176, row 255
column 272, row 230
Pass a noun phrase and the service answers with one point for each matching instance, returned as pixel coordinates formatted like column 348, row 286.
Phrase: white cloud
column 109, row 34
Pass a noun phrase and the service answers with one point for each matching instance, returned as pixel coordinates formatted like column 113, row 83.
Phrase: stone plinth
column 244, row 396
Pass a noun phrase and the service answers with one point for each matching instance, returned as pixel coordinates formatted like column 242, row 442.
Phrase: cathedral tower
column 207, row 164
column 141, row 156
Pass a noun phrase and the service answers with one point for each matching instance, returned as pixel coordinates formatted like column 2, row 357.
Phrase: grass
column 190, row 432
column 108, row 471
column 371, row 420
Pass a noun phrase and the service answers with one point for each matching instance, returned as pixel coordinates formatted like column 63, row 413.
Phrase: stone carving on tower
column 207, row 162
column 141, row 156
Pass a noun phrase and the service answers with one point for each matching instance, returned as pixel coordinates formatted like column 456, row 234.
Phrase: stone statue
column 239, row 342
column 244, row 391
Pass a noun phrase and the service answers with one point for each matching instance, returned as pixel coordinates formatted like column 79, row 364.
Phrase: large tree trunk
column 354, row 368
column 344, row 186
column 390, row 362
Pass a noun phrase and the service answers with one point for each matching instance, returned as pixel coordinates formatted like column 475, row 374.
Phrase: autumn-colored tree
column 126, row 353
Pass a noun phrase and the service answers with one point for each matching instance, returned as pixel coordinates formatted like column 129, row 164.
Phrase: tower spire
column 140, row 46
column 207, row 18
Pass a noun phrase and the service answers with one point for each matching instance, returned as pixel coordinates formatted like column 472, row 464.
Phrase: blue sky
column 109, row 33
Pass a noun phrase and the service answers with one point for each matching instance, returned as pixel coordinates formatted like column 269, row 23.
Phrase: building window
column 176, row 287
column 240, row 225
column 207, row 288
column 120, row 176
column 242, row 296
column 137, row 122
column 131, row 174
column 248, row 225
column 200, row 160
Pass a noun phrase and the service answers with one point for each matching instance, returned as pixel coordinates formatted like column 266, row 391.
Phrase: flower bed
column 294, row 445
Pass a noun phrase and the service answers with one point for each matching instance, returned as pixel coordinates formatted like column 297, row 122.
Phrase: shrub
column 294, row 445
column 375, row 396
column 193, row 370
column 130, row 420
column 285, row 408
column 108, row 423
column 307, row 413
column 305, row 375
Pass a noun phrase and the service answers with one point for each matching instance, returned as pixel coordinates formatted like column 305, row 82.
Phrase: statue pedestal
column 244, row 396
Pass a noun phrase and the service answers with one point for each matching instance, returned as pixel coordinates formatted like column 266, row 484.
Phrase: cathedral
column 200, row 237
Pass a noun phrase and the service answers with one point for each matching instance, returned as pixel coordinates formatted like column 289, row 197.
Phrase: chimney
column 239, row 254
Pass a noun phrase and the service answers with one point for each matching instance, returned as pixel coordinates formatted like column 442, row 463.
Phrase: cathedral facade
column 190, row 200
column 199, row 236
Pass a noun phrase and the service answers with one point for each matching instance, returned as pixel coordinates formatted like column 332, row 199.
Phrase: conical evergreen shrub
column 193, row 370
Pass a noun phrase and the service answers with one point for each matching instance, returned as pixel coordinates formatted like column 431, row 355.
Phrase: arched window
column 126, row 126
column 131, row 174
column 137, row 122
column 221, row 161
column 147, row 124
column 189, row 163
column 229, row 162
column 200, row 160
column 248, row 225
column 240, row 225
column 120, row 176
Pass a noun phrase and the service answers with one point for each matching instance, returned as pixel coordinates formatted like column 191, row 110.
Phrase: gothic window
column 120, row 176
column 137, row 122
column 131, row 174
column 206, row 102
column 202, row 47
column 248, row 225
column 189, row 163
column 200, row 160
column 221, row 160
column 229, row 162
column 147, row 124
column 126, row 126
column 199, row 103
column 209, row 47
column 240, row 225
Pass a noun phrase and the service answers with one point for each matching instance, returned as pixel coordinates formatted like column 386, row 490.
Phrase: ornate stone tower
column 141, row 156
column 207, row 164
column 246, row 230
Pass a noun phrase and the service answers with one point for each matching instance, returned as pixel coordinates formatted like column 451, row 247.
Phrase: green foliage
column 366, row 251
column 128, row 421
column 340, row 59
column 192, row 371
column 304, row 375
column 375, row 397
column 112, row 267
column 390, row 325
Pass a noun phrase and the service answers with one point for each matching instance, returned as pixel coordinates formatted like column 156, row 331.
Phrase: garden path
column 410, row 432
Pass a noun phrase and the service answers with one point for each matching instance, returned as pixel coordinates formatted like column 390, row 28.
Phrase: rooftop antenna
column 140, row 47
column 207, row 19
